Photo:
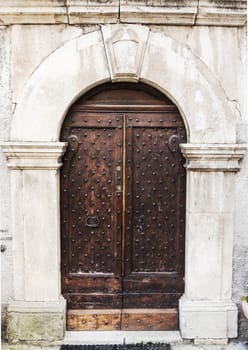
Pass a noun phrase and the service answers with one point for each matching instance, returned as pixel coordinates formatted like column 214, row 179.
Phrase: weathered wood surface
column 123, row 201
column 125, row 319
column 84, row 320
column 149, row 319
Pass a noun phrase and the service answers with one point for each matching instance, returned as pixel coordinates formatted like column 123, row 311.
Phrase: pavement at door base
column 118, row 347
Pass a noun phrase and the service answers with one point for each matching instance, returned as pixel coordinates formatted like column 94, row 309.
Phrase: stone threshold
column 121, row 337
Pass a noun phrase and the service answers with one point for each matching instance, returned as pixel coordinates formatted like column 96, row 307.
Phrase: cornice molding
column 213, row 157
column 221, row 17
column 158, row 15
column 33, row 15
column 37, row 306
column 177, row 12
column 33, row 155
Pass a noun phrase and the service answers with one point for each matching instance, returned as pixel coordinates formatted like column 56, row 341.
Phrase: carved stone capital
column 34, row 155
column 213, row 157
column 125, row 47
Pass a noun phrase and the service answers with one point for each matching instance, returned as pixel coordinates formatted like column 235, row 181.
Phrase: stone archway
column 185, row 79
column 123, row 53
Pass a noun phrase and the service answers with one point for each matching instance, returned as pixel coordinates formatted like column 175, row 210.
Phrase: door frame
column 33, row 156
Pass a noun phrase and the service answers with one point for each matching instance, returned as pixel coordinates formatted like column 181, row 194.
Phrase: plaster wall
column 24, row 48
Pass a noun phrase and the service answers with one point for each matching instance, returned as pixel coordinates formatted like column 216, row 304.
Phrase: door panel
column 92, row 233
column 155, row 185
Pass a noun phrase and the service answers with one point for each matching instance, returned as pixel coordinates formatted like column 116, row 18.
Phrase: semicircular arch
column 82, row 63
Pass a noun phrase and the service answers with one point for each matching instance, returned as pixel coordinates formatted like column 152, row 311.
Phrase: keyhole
column 142, row 220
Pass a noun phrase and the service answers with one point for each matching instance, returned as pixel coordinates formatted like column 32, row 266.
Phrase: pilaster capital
column 33, row 155
column 213, row 157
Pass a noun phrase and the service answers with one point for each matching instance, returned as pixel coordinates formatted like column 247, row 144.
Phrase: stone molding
column 132, row 41
column 163, row 60
column 213, row 157
column 88, row 12
column 210, row 305
column 92, row 14
column 158, row 15
column 37, row 306
column 29, row 156
column 195, row 13
column 32, row 15
column 208, row 16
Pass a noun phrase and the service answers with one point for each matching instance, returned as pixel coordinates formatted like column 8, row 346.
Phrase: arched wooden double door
column 123, row 210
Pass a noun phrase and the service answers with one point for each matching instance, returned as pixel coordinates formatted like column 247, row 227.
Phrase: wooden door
column 123, row 210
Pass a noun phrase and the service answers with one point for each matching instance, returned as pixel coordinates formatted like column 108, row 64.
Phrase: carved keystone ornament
column 125, row 47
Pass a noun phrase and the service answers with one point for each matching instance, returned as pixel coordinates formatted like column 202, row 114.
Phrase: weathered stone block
column 28, row 327
column 36, row 322
column 207, row 320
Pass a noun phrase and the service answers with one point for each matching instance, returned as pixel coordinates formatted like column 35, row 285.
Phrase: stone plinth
column 36, row 321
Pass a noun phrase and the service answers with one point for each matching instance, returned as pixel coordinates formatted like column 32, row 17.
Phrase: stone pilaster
column 206, row 309
column 38, row 310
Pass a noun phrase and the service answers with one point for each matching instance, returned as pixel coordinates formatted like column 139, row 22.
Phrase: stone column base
column 36, row 321
column 208, row 320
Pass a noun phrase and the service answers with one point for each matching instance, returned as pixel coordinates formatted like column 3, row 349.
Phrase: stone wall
column 223, row 49
column 5, row 120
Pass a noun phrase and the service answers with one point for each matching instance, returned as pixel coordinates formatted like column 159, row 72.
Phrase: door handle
column 92, row 221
